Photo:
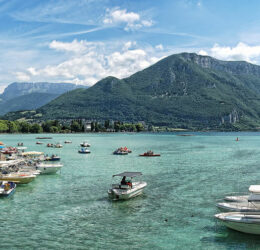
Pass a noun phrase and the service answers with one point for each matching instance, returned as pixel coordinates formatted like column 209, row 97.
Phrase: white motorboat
column 236, row 198
column 239, row 206
column 7, row 188
column 85, row 144
column 253, row 189
column 84, row 151
column 49, row 168
column 126, row 189
column 242, row 222
column 58, row 145
column 18, row 178
column 242, row 203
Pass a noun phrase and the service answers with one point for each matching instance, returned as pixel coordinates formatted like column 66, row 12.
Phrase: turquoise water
column 70, row 210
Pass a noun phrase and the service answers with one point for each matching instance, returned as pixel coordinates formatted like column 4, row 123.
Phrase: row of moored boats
column 241, row 212
column 19, row 167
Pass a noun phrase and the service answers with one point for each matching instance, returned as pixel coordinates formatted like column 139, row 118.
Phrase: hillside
column 28, row 96
column 184, row 90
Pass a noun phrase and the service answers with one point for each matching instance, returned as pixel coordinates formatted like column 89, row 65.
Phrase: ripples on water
column 71, row 210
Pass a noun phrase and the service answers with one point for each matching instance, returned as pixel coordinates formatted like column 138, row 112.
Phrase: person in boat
column 123, row 181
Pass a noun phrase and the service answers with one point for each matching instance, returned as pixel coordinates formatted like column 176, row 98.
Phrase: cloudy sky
column 83, row 41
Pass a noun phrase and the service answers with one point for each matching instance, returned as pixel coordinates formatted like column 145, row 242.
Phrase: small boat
column 50, row 145
column 239, row 206
column 120, row 151
column 38, row 142
column 84, row 151
column 7, row 188
column 20, row 144
column 18, row 178
column 84, row 144
column 67, row 141
column 9, row 151
column 126, row 189
column 242, row 222
column 52, row 158
column 49, row 168
column 242, row 203
column 58, row 145
column 43, row 138
column 149, row 154
column 21, row 148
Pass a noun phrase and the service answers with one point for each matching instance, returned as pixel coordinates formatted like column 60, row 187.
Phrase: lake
column 70, row 210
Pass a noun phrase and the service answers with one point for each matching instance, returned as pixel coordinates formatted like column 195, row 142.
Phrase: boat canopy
column 129, row 174
column 254, row 197
column 254, row 189
column 32, row 153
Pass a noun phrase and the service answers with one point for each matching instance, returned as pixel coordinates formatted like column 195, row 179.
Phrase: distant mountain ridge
column 183, row 90
column 27, row 95
column 23, row 88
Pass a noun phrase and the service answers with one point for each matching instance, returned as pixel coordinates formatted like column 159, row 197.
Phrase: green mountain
column 184, row 90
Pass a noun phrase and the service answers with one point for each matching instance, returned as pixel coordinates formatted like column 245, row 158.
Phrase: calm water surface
column 70, row 210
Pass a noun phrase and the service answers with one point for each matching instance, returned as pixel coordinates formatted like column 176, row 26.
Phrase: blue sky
column 83, row 41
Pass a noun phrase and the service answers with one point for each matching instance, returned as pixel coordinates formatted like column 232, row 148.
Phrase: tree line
column 74, row 126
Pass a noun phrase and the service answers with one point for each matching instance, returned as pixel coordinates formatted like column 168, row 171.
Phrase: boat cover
column 129, row 174
column 32, row 153
column 254, row 189
column 254, row 197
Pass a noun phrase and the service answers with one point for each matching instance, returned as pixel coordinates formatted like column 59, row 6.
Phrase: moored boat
column 126, row 189
column 67, row 141
column 120, row 151
column 52, row 158
column 49, row 168
column 84, row 151
column 242, row 222
column 39, row 143
column 84, row 144
column 58, row 145
column 18, row 178
column 149, row 154
column 242, row 203
column 7, row 188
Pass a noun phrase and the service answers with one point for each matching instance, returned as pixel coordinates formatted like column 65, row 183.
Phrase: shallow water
column 70, row 210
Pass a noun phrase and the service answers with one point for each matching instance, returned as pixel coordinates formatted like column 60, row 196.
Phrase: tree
column 107, row 124
column 54, row 129
column 36, row 128
column 75, row 126
column 12, row 128
column 139, row 127
column 3, row 126
column 25, row 127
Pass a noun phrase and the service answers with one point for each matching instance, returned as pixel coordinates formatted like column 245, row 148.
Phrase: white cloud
column 203, row 53
column 239, row 52
column 93, row 61
column 159, row 47
column 131, row 20
column 21, row 76
column 74, row 46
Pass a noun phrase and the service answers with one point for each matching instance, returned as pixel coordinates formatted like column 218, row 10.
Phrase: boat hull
column 238, row 207
column 18, row 180
column 49, row 169
column 239, row 198
column 155, row 155
column 118, row 194
column 242, row 224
